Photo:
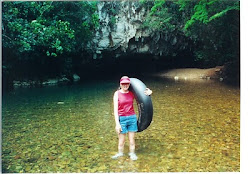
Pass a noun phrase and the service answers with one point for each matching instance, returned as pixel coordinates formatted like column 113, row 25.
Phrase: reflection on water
column 196, row 127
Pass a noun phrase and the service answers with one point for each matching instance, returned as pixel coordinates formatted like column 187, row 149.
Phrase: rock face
column 121, row 32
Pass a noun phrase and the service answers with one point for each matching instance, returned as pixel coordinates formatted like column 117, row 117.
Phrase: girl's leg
column 131, row 136
column 121, row 143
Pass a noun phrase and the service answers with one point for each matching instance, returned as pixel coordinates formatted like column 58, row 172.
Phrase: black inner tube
column 144, row 103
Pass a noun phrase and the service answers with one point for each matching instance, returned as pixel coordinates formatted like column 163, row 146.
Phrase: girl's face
column 125, row 86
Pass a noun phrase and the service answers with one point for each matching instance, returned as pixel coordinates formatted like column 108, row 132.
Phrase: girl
column 125, row 118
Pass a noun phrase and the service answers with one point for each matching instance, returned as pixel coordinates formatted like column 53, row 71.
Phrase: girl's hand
column 118, row 128
column 148, row 91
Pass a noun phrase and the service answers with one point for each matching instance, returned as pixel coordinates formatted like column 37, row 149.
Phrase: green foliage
column 36, row 32
column 160, row 17
column 44, row 31
column 206, row 11
column 112, row 21
column 95, row 20
column 158, row 5
column 212, row 26
column 234, row 6
column 53, row 26
column 182, row 4
column 201, row 14
column 113, row 10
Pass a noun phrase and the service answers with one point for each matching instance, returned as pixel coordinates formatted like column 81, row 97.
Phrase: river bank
column 194, row 73
column 47, row 82
column 228, row 72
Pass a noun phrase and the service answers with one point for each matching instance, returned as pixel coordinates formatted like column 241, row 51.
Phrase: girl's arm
column 117, row 122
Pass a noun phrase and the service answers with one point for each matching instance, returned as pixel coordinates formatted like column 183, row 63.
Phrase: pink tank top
column 125, row 104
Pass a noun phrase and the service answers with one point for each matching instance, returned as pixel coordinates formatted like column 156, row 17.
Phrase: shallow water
column 195, row 127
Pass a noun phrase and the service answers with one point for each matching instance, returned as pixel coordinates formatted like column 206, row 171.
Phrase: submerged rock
column 51, row 82
column 76, row 77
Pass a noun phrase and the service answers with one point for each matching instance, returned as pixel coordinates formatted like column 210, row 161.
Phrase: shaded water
column 195, row 127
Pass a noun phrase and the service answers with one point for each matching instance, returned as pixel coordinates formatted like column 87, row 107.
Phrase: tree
column 212, row 25
column 41, row 36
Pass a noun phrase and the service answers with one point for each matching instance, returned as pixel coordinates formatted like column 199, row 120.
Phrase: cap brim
column 125, row 81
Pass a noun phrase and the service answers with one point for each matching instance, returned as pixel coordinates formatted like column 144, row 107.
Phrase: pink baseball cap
column 125, row 80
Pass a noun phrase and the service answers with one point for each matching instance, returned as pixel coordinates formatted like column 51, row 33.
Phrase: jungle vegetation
column 41, row 39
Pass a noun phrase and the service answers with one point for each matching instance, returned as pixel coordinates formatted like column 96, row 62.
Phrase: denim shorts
column 128, row 124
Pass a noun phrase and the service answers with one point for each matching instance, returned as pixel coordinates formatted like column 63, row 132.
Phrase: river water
column 195, row 127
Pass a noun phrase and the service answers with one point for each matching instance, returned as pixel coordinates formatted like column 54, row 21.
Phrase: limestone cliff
column 121, row 32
